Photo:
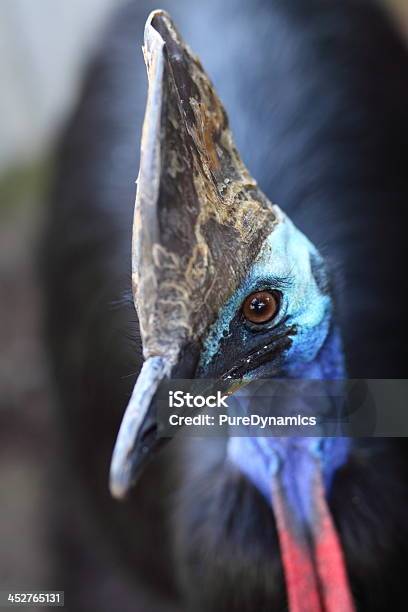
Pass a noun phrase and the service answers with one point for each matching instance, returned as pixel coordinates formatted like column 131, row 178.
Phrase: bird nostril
column 149, row 434
column 260, row 306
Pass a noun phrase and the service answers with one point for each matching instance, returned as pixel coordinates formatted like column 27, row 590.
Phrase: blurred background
column 45, row 47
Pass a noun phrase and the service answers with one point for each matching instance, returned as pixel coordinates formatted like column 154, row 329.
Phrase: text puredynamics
column 253, row 420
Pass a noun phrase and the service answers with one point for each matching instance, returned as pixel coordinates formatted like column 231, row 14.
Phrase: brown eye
column 260, row 307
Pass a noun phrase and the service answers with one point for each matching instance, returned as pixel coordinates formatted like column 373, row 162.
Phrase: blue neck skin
column 260, row 457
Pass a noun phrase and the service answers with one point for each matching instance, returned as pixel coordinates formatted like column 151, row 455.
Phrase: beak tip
column 117, row 491
column 119, row 484
column 120, row 472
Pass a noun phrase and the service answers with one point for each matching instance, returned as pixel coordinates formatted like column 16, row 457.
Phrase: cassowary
column 228, row 287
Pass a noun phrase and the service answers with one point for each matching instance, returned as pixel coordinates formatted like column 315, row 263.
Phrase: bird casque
column 194, row 194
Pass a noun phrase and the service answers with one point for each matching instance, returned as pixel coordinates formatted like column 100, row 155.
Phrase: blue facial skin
column 284, row 263
column 310, row 348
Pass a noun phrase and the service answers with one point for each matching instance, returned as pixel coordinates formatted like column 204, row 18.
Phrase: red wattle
column 333, row 580
column 313, row 563
column 300, row 576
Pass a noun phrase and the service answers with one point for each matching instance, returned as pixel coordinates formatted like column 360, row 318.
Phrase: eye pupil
column 260, row 307
column 257, row 305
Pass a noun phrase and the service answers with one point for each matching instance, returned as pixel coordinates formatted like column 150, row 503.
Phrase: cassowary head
column 226, row 287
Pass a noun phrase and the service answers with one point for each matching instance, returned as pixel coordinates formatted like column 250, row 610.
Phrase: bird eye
column 260, row 306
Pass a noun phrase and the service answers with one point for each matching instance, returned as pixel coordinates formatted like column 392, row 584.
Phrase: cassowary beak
column 138, row 438
column 137, row 434
column 199, row 222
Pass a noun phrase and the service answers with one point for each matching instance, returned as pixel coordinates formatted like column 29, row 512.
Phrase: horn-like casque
column 200, row 218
